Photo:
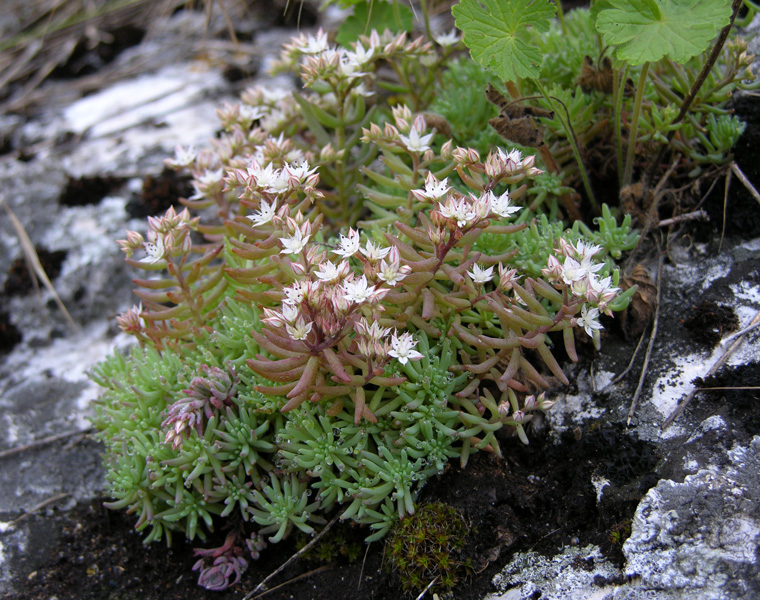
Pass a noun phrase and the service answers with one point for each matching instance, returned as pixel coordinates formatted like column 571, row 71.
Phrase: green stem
column 564, row 118
column 618, row 91
column 561, row 16
column 635, row 125
column 428, row 31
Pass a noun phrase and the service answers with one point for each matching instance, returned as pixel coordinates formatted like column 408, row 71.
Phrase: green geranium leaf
column 373, row 14
column 648, row 30
column 498, row 34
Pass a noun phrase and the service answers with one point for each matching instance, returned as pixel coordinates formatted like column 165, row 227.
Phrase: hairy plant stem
column 634, row 131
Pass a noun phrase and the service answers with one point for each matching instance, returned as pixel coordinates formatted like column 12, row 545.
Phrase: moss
column 426, row 547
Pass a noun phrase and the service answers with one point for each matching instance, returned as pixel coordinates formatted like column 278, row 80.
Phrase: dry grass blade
column 38, row 507
column 293, row 558
column 34, row 262
column 714, row 369
column 746, row 182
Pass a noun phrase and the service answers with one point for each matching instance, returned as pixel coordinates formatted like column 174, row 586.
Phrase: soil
column 538, row 497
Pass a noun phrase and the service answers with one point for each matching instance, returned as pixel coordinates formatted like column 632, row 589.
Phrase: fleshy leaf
column 648, row 30
column 374, row 14
column 498, row 34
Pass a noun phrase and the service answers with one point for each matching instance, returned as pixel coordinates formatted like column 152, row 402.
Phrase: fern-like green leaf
column 648, row 30
column 498, row 34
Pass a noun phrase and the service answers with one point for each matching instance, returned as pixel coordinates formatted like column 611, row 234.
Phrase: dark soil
column 708, row 322
column 539, row 497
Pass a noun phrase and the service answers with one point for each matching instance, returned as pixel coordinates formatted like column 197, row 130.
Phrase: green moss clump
column 426, row 546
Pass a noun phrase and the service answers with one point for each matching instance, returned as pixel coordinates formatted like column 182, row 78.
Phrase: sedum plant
column 349, row 300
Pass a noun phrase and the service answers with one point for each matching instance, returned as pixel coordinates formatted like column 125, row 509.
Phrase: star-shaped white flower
column 374, row 253
column 358, row 291
column 183, row 157
column 458, row 210
column 416, row 142
column 572, row 271
column 349, row 245
column 402, row 348
column 328, row 271
column 264, row 214
column 447, row 39
column 294, row 244
column 156, row 251
column 434, row 189
column 481, row 275
column 300, row 330
column 589, row 320
column 501, row 206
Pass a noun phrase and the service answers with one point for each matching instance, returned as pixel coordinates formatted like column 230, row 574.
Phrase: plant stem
column 568, row 127
column 428, row 31
column 618, row 91
column 634, row 131
column 561, row 16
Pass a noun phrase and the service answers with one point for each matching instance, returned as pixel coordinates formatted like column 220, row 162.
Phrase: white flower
column 481, row 275
column 416, row 142
column 264, row 176
column 294, row 294
column 210, row 177
column 330, row 272
column 501, row 206
column 156, row 251
column 264, row 214
column 359, row 57
column 481, row 205
column 299, row 171
column 294, row 244
column 358, row 291
column 584, row 250
column 373, row 331
column 313, row 44
column 403, row 348
column 589, row 320
column 458, row 210
column 374, row 253
column 447, row 39
column 183, row 157
column 391, row 273
column 300, row 330
column 572, row 271
column 349, row 245
column 289, row 312
column 434, row 189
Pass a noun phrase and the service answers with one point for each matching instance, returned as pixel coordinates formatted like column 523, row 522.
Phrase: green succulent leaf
column 648, row 30
column 374, row 15
column 498, row 34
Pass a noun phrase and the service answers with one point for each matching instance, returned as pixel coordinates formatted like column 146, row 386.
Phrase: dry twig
column 42, row 442
column 38, row 507
column 652, row 337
